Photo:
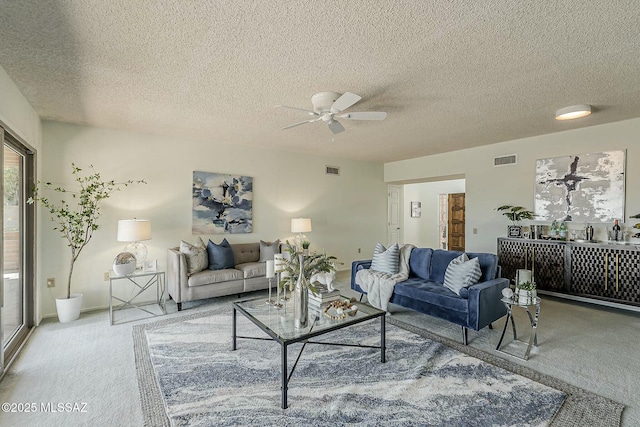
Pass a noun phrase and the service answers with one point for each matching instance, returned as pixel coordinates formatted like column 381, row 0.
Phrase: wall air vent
column 332, row 170
column 505, row 160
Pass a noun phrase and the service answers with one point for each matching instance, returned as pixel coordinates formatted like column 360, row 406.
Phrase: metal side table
column 509, row 303
column 142, row 281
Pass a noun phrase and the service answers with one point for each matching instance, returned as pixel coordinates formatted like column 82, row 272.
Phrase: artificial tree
column 77, row 221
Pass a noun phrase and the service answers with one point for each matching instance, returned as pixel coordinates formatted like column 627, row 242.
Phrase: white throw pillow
column 386, row 260
column 268, row 250
column 462, row 272
column 196, row 255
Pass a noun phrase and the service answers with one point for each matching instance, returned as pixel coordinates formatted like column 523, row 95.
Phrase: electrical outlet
column 475, row 231
column 106, row 276
column 359, row 250
column 51, row 282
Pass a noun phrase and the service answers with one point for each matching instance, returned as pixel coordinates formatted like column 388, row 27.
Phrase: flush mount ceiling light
column 573, row 112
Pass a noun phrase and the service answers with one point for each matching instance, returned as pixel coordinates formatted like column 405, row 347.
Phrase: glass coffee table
column 278, row 325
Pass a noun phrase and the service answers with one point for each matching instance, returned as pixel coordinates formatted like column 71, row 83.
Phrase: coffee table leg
column 383, row 358
column 285, row 385
column 233, row 344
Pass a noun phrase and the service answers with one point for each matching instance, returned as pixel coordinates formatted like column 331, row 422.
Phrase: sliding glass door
column 16, row 314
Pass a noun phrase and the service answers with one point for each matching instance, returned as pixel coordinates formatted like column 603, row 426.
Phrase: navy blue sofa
column 477, row 306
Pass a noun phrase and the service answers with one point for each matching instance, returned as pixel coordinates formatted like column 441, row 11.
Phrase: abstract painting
column 585, row 187
column 222, row 203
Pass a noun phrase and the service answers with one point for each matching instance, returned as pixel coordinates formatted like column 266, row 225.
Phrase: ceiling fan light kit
column 328, row 105
column 573, row 112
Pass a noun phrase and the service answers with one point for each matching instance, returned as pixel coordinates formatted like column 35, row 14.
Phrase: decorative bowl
column 124, row 263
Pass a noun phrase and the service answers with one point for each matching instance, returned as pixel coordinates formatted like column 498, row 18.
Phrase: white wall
column 17, row 113
column 488, row 187
column 423, row 232
column 347, row 211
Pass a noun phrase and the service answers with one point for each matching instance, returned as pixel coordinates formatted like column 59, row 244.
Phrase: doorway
column 456, row 221
column 17, row 301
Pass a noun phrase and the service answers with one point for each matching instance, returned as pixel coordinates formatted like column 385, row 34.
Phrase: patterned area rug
column 188, row 375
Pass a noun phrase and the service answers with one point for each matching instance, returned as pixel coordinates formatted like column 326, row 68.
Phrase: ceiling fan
column 327, row 106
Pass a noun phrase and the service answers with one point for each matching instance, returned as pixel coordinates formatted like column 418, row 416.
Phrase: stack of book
column 322, row 297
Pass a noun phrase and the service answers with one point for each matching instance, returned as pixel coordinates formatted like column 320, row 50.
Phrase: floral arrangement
column 313, row 263
column 527, row 286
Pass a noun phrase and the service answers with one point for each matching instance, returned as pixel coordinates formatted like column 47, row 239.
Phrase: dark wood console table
column 600, row 273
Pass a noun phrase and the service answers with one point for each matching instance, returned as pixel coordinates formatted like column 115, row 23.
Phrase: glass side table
column 141, row 281
column 509, row 303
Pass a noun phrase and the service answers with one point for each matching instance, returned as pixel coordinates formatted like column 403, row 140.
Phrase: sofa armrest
column 355, row 267
column 176, row 274
column 485, row 306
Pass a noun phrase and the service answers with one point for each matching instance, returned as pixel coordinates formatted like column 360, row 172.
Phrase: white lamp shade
column 300, row 225
column 134, row 230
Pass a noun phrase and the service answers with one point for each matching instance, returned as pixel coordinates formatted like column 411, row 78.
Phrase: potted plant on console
column 515, row 214
column 76, row 222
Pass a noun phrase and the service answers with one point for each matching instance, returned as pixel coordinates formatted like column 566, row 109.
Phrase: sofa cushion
column 195, row 255
column 268, row 250
column 208, row 277
column 220, row 256
column 430, row 292
column 420, row 262
column 461, row 273
column 246, row 252
column 440, row 260
column 386, row 260
column 252, row 269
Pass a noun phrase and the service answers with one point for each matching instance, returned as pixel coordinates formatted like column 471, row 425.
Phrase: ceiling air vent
column 505, row 160
column 332, row 170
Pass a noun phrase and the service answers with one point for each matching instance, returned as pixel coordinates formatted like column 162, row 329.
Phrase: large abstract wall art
column 222, row 203
column 585, row 187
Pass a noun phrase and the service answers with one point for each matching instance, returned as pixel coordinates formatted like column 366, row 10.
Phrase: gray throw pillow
column 461, row 273
column 220, row 256
column 268, row 250
column 196, row 256
column 386, row 260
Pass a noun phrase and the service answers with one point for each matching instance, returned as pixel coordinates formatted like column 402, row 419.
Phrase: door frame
column 28, row 244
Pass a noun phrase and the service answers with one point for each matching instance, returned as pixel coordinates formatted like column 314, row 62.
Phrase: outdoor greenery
column 313, row 263
column 515, row 213
column 76, row 221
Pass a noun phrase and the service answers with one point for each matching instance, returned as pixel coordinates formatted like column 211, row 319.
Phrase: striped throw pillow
column 386, row 260
column 462, row 272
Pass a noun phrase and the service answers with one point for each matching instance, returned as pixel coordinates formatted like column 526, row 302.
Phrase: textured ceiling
column 451, row 74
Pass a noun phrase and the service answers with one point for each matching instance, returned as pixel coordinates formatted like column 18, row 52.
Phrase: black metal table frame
column 286, row 376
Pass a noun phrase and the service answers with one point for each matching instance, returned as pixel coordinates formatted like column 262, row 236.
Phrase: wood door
column 456, row 222
column 393, row 215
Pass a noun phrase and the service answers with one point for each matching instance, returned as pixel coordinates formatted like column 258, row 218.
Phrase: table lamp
column 134, row 231
column 300, row 225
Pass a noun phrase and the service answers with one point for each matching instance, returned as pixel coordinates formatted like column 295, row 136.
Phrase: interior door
column 456, row 222
column 393, row 214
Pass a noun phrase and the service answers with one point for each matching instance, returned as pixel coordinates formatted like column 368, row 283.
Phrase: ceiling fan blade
column 366, row 115
column 301, row 123
column 335, row 126
column 345, row 101
column 309, row 112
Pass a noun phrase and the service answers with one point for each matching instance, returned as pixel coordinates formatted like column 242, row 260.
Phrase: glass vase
column 301, row 298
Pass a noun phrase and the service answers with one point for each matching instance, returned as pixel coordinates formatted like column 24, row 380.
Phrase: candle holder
column 270, row 301
column 270, row 274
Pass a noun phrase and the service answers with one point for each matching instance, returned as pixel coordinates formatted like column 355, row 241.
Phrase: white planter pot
column 69, row 309
column 526, row 297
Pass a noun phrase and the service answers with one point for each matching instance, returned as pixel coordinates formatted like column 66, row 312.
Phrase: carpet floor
column 188, row 375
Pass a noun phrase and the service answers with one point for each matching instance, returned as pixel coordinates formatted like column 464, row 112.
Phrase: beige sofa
column 247, row 275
